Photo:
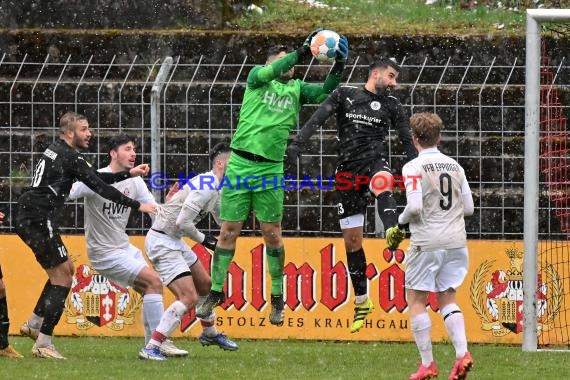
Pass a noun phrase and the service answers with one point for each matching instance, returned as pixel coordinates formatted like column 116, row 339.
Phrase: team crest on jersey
column 497, row 296
column 97, row 301
column 375, row 105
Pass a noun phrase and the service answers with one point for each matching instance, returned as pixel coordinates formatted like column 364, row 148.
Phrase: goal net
column 546, row 272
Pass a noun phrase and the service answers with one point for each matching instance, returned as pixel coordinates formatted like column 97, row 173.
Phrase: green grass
column 399, row 17
column 116, row 358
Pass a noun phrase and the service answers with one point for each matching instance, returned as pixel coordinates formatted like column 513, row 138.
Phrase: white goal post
column 531, row 163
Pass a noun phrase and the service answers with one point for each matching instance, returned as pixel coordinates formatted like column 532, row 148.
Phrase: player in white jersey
column 108, row 247
column 174, row 260
column 438, row 198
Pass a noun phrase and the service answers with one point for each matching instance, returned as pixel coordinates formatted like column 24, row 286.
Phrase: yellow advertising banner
column 318, row 293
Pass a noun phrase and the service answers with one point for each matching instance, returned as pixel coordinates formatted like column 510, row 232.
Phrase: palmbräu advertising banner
column 318, row 293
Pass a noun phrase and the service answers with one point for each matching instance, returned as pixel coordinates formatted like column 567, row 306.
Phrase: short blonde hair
column 426, row 127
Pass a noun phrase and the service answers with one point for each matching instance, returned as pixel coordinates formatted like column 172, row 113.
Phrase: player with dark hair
column 364, row 117
column 108, row 247
column 438, row 199
column 269, row 112
column 179, row 267
column 38, row 207
column 6, row 350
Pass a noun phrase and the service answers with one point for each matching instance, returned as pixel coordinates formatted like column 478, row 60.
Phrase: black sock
column 387, row 209
column 4, row 323
column 41, row 304
column 55, row 303
column 357, row 269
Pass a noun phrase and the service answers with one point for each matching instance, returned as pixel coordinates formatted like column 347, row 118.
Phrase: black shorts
column 352, row 192
column 1, row 277
column 44, row 240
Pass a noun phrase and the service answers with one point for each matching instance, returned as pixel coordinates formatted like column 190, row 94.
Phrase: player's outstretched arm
column 148, row 208
column 89, row 177
column 139, row 170
column 261, row 75
column 319, row 117
column 402, row 126
column 317, row 93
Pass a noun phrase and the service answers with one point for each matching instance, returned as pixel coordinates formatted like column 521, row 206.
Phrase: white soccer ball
column 324, row 45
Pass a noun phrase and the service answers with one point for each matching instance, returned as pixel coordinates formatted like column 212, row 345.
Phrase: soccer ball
column 324, row 45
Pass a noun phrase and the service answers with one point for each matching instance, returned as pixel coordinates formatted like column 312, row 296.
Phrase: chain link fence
column 196, row 104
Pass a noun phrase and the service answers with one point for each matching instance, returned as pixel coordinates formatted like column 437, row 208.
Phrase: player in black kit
column 38, row 207
column 364, row 116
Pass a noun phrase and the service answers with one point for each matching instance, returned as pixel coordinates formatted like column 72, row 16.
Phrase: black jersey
column 363, row 122
column 55, row 172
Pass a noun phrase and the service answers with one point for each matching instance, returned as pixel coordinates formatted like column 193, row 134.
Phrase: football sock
column 209, row 328
column 222, row 260
column 455, row 324
column 152, row 311
column 421, row 328
column 387, row 209
column 55, row 302
column 40, row 305
column 208, row 323
column 357, row 268
column 43, row 340
column 275, row 261
column 168, row 323
column 4, row 323
column 35, row 321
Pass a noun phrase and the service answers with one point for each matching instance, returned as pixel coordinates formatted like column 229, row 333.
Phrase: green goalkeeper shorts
column 253, row 186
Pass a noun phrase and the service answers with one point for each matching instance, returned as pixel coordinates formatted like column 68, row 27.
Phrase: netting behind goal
column 553, row 252
column 547, row 183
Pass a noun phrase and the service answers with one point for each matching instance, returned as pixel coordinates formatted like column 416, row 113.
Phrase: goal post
column 535, row 17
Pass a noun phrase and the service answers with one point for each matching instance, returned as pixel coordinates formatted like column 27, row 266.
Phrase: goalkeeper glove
column 210, row 242
column 342, row 50
column 394, row 236
column 305, row 49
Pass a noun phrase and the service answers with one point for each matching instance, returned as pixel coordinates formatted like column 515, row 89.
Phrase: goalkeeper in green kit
column 269, row 112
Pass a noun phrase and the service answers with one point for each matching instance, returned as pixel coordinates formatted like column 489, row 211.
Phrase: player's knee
column 154, row 285
column 66, row 281
column 381, row 182
column 352, row 244
column 189, row 299
column 71, row 267
column 228, row 236
column 271, row 234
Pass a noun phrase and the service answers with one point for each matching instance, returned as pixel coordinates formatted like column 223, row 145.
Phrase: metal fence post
column 155, row 165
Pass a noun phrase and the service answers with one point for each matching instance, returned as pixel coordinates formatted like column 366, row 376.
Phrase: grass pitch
column 116, row 358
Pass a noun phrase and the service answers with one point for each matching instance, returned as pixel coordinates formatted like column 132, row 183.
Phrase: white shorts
column 169, row 256
column 436, row 271
column 121, row 266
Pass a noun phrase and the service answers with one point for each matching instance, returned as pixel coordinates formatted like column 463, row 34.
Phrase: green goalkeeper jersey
column 270, row 107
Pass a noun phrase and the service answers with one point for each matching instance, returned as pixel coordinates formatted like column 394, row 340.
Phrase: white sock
column 360, row 299
column 455, row 324
column 421, row 328
column 210, row 330
column 152, row 311
column 35, row 321
column 170, row 320
column 43, row 340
